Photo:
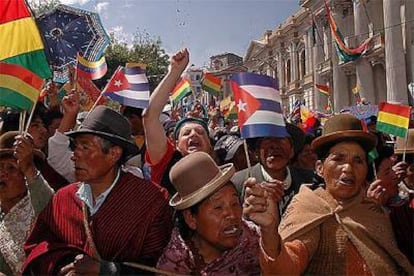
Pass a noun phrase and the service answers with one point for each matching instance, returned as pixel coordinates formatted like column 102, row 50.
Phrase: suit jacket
column 133, row 225
column 299, row 177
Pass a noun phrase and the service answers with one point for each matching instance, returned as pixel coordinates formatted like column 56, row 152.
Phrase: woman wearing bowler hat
column 18, row 206
column 211, row 238
column 334, row 230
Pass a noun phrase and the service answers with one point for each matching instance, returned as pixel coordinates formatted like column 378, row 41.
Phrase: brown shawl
column 366, row 225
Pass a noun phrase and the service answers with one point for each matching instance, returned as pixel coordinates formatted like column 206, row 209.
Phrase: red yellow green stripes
column 393, row 118
column 323, row 89
column 211, row 84
column 344, row 53
column 19, row 87
column 181, row 90
column 20, row 38
column 12, row 10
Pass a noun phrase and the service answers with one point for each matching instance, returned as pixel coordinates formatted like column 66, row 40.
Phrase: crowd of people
column 141, row 191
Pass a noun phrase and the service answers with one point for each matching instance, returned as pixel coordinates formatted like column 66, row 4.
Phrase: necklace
column 2, row 215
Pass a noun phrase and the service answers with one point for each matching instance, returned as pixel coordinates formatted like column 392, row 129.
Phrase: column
column 394, row 53
column 293, row 62
column 318, row 57
column 309, row 55
column 281, row 69
column 306, row 45
column 409, row 38
column 340, row 88
column 365, row 76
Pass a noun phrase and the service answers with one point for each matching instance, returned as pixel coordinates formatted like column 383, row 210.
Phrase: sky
column 205, row 27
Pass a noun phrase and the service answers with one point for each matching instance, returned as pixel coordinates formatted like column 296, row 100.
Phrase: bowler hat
column 343, row 127
column 195, row 177
column 7, row 140
column 110, row 125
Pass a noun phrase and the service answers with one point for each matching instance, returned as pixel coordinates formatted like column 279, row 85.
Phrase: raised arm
column 59, row 153
column 155, row 138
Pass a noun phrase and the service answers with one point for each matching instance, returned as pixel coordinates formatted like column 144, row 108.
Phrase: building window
column 197, row 77
column 302, row 64
column 288, row 72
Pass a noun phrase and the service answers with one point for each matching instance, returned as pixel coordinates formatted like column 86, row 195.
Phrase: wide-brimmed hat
column 110, row 125
column 7, row 140
column 400, row 143
column 343, row 127
column 195, row 177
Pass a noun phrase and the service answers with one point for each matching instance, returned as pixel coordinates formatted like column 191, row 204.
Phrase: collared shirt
column 286, row 183
column 84, row 193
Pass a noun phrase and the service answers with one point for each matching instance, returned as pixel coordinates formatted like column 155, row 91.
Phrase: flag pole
column 29, row 120
column 246, row 152
column 101, row 95
column 405, row 146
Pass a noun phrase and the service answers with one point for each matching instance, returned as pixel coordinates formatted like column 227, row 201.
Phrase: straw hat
column 343, row 127
column 196, row 177
column 400, row 143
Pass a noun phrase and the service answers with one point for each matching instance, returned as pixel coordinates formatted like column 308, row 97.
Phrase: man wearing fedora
column 106, row 218
column 191, row 134
column 274, row 155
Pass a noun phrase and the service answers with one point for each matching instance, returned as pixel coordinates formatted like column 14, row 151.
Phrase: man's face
column 192, row 138
column 92, row 164
column 39, row 133
column 275, row 153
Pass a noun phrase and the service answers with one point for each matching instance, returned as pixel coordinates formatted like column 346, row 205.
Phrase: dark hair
column 185, row 231
column 182, row 122
column 129, row 111
column 51, row 115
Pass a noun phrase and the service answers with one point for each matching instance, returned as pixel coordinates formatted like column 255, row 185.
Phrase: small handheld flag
column 181, row 90
column 130, row 87
column 19, row 87
column 118, row 82
column 393, row 118
column 211, row 84
column 91, row 69
column 258, row 102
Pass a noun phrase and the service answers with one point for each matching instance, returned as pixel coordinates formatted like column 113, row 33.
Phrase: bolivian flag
column 19, row 87
column 20, row 41
column 211, row 84
column 393, row 119
column 181, row 90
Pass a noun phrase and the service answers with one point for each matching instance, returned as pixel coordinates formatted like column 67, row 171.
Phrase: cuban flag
column 259, row 106
column 137, row 94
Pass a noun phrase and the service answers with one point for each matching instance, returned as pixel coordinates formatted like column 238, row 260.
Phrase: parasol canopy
column 67, row 31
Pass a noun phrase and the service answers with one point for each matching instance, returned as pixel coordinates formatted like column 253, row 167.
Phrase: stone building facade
column 301, row 53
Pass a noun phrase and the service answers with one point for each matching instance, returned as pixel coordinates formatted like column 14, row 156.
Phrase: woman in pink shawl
column 211, row 238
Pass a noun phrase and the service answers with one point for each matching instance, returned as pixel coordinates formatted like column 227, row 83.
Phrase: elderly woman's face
column 344, row 170
column 12, row 183
column 217, row 223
